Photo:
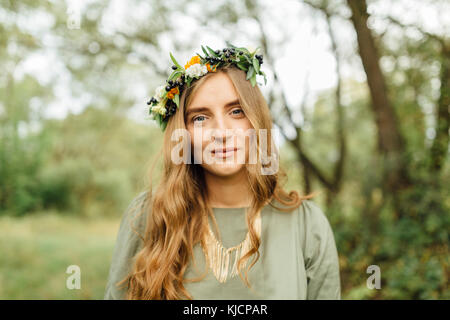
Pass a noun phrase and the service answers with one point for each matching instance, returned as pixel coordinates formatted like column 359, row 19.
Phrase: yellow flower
column 194, row 60
column 173, row 92
column 211, row 69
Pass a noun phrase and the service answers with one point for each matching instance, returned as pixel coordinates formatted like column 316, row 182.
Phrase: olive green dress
column 298, row 257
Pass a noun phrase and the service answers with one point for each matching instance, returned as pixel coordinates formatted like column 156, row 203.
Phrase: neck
column 228, row 192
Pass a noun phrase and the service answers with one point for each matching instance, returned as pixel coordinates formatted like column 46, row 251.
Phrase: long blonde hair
column 177, row 216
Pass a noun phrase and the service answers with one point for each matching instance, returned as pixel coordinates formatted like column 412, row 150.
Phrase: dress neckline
column 238, row 208
column 229, row 208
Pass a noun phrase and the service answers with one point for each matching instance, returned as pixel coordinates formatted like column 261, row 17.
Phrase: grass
column 36, row 250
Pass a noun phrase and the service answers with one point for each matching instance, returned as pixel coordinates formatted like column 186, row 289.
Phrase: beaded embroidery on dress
column 219, row 257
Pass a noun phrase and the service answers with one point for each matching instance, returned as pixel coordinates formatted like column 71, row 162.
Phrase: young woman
column 265, row 244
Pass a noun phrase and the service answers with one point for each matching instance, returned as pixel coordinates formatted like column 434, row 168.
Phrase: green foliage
column 412, row 251
column 94, row 163
column 175, row 62
column 91, row 164
column 37, row 249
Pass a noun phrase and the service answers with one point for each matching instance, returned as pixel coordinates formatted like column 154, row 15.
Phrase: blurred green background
column 359, row 90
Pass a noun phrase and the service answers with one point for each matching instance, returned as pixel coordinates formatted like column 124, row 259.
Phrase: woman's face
column 216, row 121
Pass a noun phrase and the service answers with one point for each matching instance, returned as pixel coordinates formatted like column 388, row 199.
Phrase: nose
column 221, row 135
column 222, row 130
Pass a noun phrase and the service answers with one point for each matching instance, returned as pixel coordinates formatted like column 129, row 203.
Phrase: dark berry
column 174, row 67
column 168, row 88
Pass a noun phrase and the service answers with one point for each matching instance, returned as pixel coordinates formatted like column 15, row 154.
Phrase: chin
column 224, row 169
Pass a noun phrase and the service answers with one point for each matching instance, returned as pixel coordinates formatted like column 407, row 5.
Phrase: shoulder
column 139, row 200
column 128, row 242
column 308, row 216
column 312, row 216
column 131, row 232
column 316, row 229
column 308, row 212
column 135, row 215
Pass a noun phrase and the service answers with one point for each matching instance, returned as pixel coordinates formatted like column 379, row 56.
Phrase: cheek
column 199, row 140
column 248, row 131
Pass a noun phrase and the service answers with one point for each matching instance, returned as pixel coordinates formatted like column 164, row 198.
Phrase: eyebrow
column 201, row 109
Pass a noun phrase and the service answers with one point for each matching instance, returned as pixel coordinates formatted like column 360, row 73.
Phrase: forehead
column 216, row 90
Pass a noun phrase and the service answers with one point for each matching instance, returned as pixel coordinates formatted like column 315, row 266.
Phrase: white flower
column 159, row 92
column 155, row 109
column 252, row 49
column 196, row 70
column 159, row 108
column 162, row 111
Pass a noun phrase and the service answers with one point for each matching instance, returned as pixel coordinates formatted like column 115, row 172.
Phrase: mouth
column 224, row 153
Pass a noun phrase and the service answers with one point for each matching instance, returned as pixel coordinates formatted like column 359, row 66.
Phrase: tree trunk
column 390, row 141
column 440, row 143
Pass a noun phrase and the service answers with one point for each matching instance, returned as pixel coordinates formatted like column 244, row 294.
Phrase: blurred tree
column 91, row 162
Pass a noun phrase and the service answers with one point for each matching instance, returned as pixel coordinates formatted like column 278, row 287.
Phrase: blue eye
column 197, row 118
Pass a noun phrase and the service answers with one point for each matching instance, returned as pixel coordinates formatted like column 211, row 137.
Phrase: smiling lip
column 224, row 152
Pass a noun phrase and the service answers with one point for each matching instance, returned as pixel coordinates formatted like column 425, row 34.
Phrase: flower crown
column 166, row 99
